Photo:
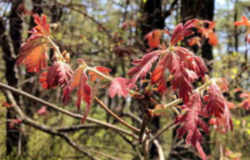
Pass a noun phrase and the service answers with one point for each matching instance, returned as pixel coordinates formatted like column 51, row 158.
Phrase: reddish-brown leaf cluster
column 191, row 122
column 33, row 53
column 180, row 62
column 244, row 22
column 206, row 29
column 79, row 82
column 217, row 106
column 42, row 111
column 119, row 86
column 59, row 73
column 212, row 105
column 154, row 38
column 246, row 102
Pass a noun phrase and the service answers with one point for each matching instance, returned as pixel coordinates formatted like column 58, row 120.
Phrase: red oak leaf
column 143, row 65
column 184, row 66
column 194, row 41
column 84, row 93
column 191, row 62
column 216, row 106
column 14, row 122
column 33, row 53
column 79, row 81
column 177, row 34
column 43, row 80
column 42, row 111
column 158, row 75
column 59, row 73
column 206, row 28
column 246, row 102
column 191, row 123
column 182, row 31
column 42, row 28
column 94, row 76
column 215, row 101
column 243, row 22
column 6, row 104
column 154, row 37
column 119, row 86
column 182, row 82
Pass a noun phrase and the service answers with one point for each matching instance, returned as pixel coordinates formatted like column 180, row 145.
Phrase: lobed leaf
column 119, row 86
column 191, row 124
column 59, row 73
column 143, row 65
column 33, row 54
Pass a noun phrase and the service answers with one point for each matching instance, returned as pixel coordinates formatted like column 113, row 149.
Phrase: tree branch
column 116, row 116
column 44, row 128
column 66, row 112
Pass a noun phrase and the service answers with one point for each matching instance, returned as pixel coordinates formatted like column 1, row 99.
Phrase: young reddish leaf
column 206, row 28
column 216, row 106
column 185, row 68
column 246, row 102
column 215, row 101
column 212, row 39
column 119, row 86
column 194, row 41
column 182, row 31
column 222, row 124
column 177, row 34
column 79, row 81
column 42, row 111
column 243, row 22
column 154, row 38
column 33, row 54
column 6, row 104
column 143, row 65
column 84, row 93
column 158, row 75
column 43, row 79
column 182, row 82
column 190, row 123
column 94, row 76
column 14, row 122
column 59, row 73
column 42, row 28
column 191, row 62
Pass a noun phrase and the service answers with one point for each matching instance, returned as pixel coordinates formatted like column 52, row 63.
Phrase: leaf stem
column 179, row 100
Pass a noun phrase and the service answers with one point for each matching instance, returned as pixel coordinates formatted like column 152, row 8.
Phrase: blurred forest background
column 111, row 33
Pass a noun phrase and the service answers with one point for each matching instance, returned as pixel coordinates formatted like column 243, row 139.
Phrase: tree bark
column 15, row 142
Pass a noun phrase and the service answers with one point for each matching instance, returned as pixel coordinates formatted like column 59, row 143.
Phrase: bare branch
column 66, row 112
column 116, row 116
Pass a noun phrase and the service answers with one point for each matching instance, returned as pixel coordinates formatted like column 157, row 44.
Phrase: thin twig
column 116, row 116
column 66, row 112
column 44, row 128
column 161, row 131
